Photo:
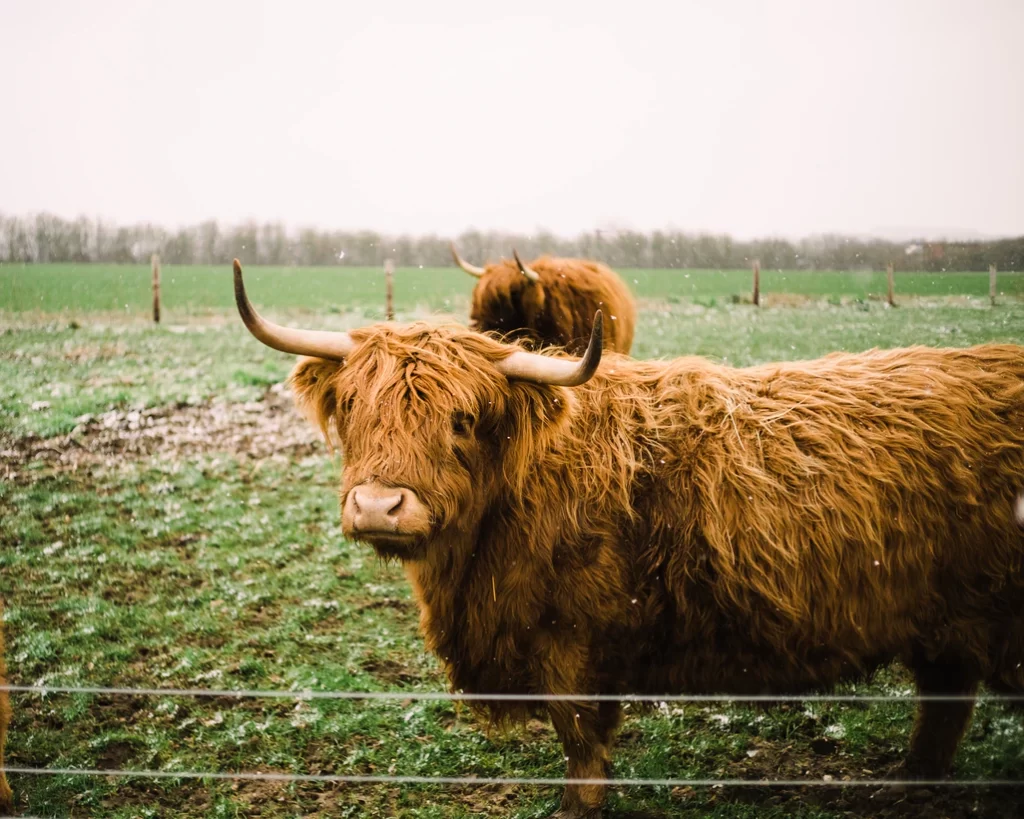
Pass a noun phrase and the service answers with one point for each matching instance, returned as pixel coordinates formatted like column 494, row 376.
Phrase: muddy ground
column 257, row 429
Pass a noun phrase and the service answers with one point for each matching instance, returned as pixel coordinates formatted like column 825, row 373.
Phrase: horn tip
column 529, row 272
column 237, row 266
column 598, row 332
column 519, row 262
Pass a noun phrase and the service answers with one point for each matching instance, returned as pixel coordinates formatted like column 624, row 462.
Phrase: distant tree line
column 46, row 238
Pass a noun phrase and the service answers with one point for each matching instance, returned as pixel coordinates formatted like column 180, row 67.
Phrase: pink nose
column 377, row 508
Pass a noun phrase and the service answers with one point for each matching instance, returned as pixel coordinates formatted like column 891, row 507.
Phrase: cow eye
column 462, row 423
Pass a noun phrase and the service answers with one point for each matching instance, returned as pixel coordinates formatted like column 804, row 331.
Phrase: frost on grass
column 257, row 429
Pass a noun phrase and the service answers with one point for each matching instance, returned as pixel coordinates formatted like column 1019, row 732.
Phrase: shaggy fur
column 6, row 797
column 559, row 309
column 683, row 526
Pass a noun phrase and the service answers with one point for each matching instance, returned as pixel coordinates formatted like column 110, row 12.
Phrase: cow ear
column 537, row 415
column 313, row 384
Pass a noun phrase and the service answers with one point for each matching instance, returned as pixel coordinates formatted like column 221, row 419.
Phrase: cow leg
column 585, row 730
column 940, row 725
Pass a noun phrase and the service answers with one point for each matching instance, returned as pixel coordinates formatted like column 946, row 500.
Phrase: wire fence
column 474, row 780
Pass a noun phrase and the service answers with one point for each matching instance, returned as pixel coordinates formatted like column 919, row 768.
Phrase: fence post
column 155, row 261
column 389, row 296
column 992, row 284
column 757, row 282
column 888, row 276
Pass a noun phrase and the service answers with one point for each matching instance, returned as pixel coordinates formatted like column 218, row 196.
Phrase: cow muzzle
column 390, row 518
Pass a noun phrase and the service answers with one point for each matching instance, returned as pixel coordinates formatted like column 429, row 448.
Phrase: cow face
column 508, row 298
column 432, row 422
column 430, row 431
column 507, row 303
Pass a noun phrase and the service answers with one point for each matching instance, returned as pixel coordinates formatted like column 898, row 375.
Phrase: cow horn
column 317, row 343
column 542, row 369
column 472, row 270
column 529, row 272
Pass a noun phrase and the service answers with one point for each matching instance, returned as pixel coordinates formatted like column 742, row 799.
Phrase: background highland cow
column 551, row 301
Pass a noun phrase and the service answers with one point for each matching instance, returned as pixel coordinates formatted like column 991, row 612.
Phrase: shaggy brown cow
column 682, row 526
column 551, row 302
column 6, row 797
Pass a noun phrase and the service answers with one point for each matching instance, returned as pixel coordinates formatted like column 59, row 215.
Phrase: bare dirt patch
column 257, row 429
column 823, row 762
column 390, row 671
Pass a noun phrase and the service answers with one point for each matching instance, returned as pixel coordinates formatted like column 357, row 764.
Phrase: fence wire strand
column 472, row 780
column 380, row 779
column 441, row 696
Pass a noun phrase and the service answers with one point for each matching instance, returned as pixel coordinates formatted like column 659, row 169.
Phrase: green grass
column 69, row 369
column 214, row 568
column 195, row 288
column 215, row 573
column 188, row 289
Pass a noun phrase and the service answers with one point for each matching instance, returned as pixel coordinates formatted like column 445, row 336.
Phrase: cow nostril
column 374, row 508
column 400, row 499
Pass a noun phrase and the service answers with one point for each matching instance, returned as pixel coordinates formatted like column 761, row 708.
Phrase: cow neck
column 481, row 595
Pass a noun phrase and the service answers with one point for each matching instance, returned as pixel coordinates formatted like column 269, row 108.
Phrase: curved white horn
column 472, row 270
column 317, row 343
column 529, row 272
column 542, row 369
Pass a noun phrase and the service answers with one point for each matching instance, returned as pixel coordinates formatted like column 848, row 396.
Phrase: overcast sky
column 742, row 116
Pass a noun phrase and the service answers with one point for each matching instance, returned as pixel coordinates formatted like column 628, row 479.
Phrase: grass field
column 82, row 288
column 168, row 520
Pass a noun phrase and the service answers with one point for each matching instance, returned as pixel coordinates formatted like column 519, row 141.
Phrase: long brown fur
column 6, row 797
column 683, row 526
column 559, row 309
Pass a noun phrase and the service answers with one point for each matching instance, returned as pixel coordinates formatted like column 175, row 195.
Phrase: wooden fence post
column 155, row 261
column 888, row 276
column 757, row 282
column 389, row 296
column 992, row 284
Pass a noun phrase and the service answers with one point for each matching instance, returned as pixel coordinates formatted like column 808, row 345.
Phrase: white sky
column 749, row 117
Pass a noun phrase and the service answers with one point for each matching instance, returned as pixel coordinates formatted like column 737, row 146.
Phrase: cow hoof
column 911, row 770
column 905, row 778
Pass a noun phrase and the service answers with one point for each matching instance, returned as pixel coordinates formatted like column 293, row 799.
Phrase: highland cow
column 550, row 302
column 620, row 526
